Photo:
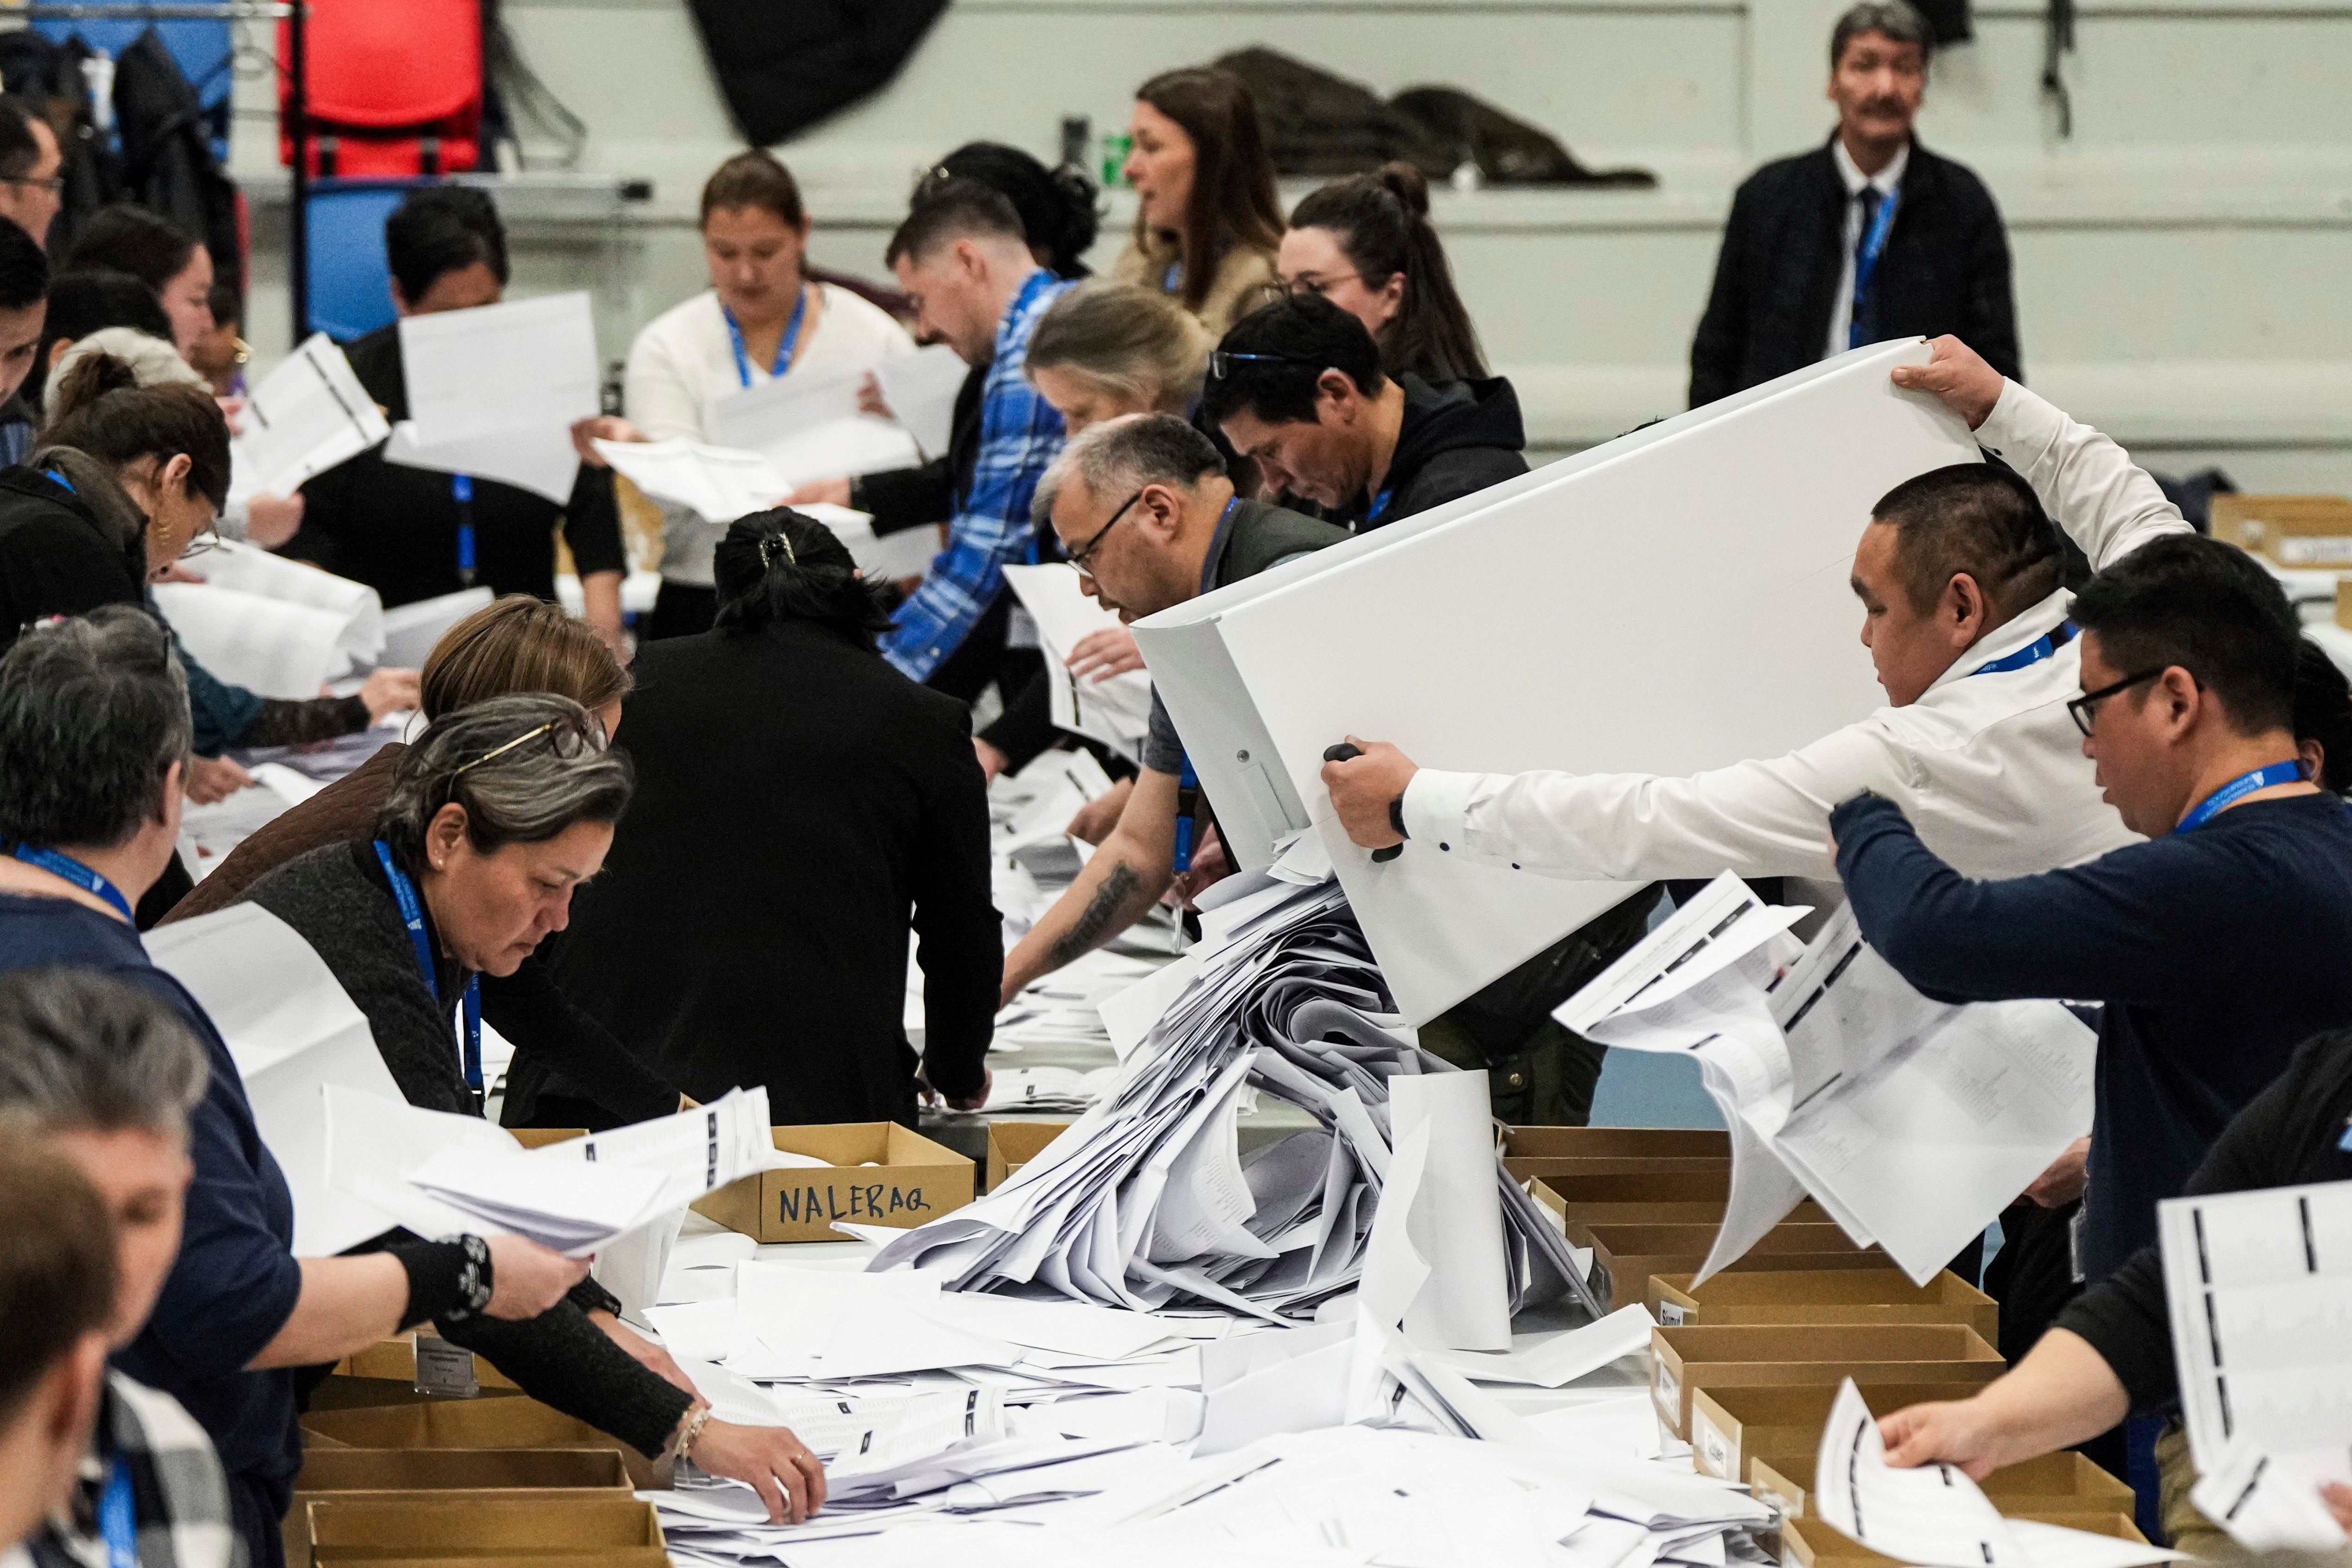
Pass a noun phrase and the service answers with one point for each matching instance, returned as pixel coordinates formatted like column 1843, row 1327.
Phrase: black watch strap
column 1396, row 816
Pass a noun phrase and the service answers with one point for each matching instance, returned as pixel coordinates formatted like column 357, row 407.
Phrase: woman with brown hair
column 762, row 318
column 1365, row 244
column 1207, row 223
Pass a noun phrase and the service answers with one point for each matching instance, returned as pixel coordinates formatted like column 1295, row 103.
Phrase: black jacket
column 800, row 804
column 1945, row 270
column 1458, row 437
column 395, row 528
column 57, row 557
column 2291, row 1134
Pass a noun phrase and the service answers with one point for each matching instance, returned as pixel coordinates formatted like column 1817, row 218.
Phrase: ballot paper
column 268, row 645
column 1046, row 1088
column 410, row 630
column 495, row 367
column 1934, row 1515
column 1551, row 1360
column 721, row 483
column 292, row 1031
column 1716, row 541
column 249, row 569
column 921, row 389
column 884, row 558
column 1698, row 986
column 1115, row 711
column 1916, row 1122
column 2259, row 1288
column 305, row 416
column 494, row 392
column 810, row 428
column 538, row 457
column 1913, row 1123
column 1455, row 1219
column 436, row 1173
column 209, row 834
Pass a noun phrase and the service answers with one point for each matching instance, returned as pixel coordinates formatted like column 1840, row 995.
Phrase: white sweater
column 1988, row 767
column 683, row 360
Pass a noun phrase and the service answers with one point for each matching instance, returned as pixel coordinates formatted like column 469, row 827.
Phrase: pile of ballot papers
column 1145, row 1201
column 1017, row 1489
column 1913, row 1123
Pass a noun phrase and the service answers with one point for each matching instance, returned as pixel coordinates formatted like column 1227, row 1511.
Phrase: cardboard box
column 396, row 1360
column 1617, row 1142
column 1683, row 1360
column 1733, row 1428
column 1815, row 1545
column 512, row 1421
column 601, row 1526
column 2064, row 1480
column 1012, row 1144
column 1573, row 1190
column 1625, row 1255
column 418, row 1476
column 1829, row 1296
column 540, row 1137
column 884, row 1175
column 2307, row 533
column 1548, row 1152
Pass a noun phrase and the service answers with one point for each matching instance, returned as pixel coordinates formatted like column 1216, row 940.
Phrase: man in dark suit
column 1869, row 237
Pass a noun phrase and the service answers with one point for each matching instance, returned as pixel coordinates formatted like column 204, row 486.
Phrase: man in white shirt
column 1965, row 622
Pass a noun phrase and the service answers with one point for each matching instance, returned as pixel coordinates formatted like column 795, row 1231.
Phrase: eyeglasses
column 53, row 185
column 567, row 735
column 2084, row 709
column 1079, row 556
column 1222, row 362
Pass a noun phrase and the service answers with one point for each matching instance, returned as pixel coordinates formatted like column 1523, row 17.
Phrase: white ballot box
column 1671, row 601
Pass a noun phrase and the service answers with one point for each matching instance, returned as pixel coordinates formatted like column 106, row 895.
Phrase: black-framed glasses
column 1084, row 553
column 1221, row 361
column 2084, row 709
column 567, row 736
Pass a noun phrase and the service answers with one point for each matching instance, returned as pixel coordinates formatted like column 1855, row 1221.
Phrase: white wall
column 2182, row 262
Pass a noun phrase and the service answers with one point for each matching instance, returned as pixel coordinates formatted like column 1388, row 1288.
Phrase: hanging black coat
column 167, row 153
column 784, row 67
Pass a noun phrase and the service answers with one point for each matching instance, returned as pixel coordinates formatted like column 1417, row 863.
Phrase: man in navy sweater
column 2218, row 946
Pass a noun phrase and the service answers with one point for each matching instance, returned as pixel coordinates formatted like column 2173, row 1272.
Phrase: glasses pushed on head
column 568, row 737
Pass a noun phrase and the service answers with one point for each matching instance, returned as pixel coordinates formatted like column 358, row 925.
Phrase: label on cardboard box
column 1670, row 1314
column 871, row 1203
column 445, row 1369
column 1666, row 1392
column 1716, row 1455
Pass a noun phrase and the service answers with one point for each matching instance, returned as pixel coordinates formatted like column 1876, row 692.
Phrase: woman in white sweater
column 761, row 319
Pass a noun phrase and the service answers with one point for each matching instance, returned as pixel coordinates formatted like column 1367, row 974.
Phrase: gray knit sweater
column 337, row 899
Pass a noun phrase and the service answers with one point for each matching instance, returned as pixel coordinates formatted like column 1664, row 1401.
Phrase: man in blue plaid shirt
column 962, row 257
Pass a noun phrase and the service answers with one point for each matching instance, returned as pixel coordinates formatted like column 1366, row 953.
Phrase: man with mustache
column 1868, row 237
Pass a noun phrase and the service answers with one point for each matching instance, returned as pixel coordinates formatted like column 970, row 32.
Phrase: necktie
column 1862, row 324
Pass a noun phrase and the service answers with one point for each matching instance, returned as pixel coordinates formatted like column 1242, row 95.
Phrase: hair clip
column 768, row 549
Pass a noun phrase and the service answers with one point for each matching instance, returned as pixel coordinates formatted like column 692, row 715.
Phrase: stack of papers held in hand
column 436, row 1173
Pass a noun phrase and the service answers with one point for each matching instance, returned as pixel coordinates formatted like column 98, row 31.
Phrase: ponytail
column 784, row 565
column 1057, row 207
column 101, row 408
column 1382, row 221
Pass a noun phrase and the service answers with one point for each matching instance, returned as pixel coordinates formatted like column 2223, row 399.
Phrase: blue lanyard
column 1866, row 261
column 1188, row 783
column 783, row 345
column 118, row 1521
column 1173, row 279
column 461, row 491
column 2238, row 789
column 1379, row 505
column 2032, row 653
column 74, row 871
column 412, row 915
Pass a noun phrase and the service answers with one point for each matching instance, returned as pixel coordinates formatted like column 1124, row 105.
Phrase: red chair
column 395, row 89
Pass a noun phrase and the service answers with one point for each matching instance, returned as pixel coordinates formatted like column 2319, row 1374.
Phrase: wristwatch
column 1396, row 816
